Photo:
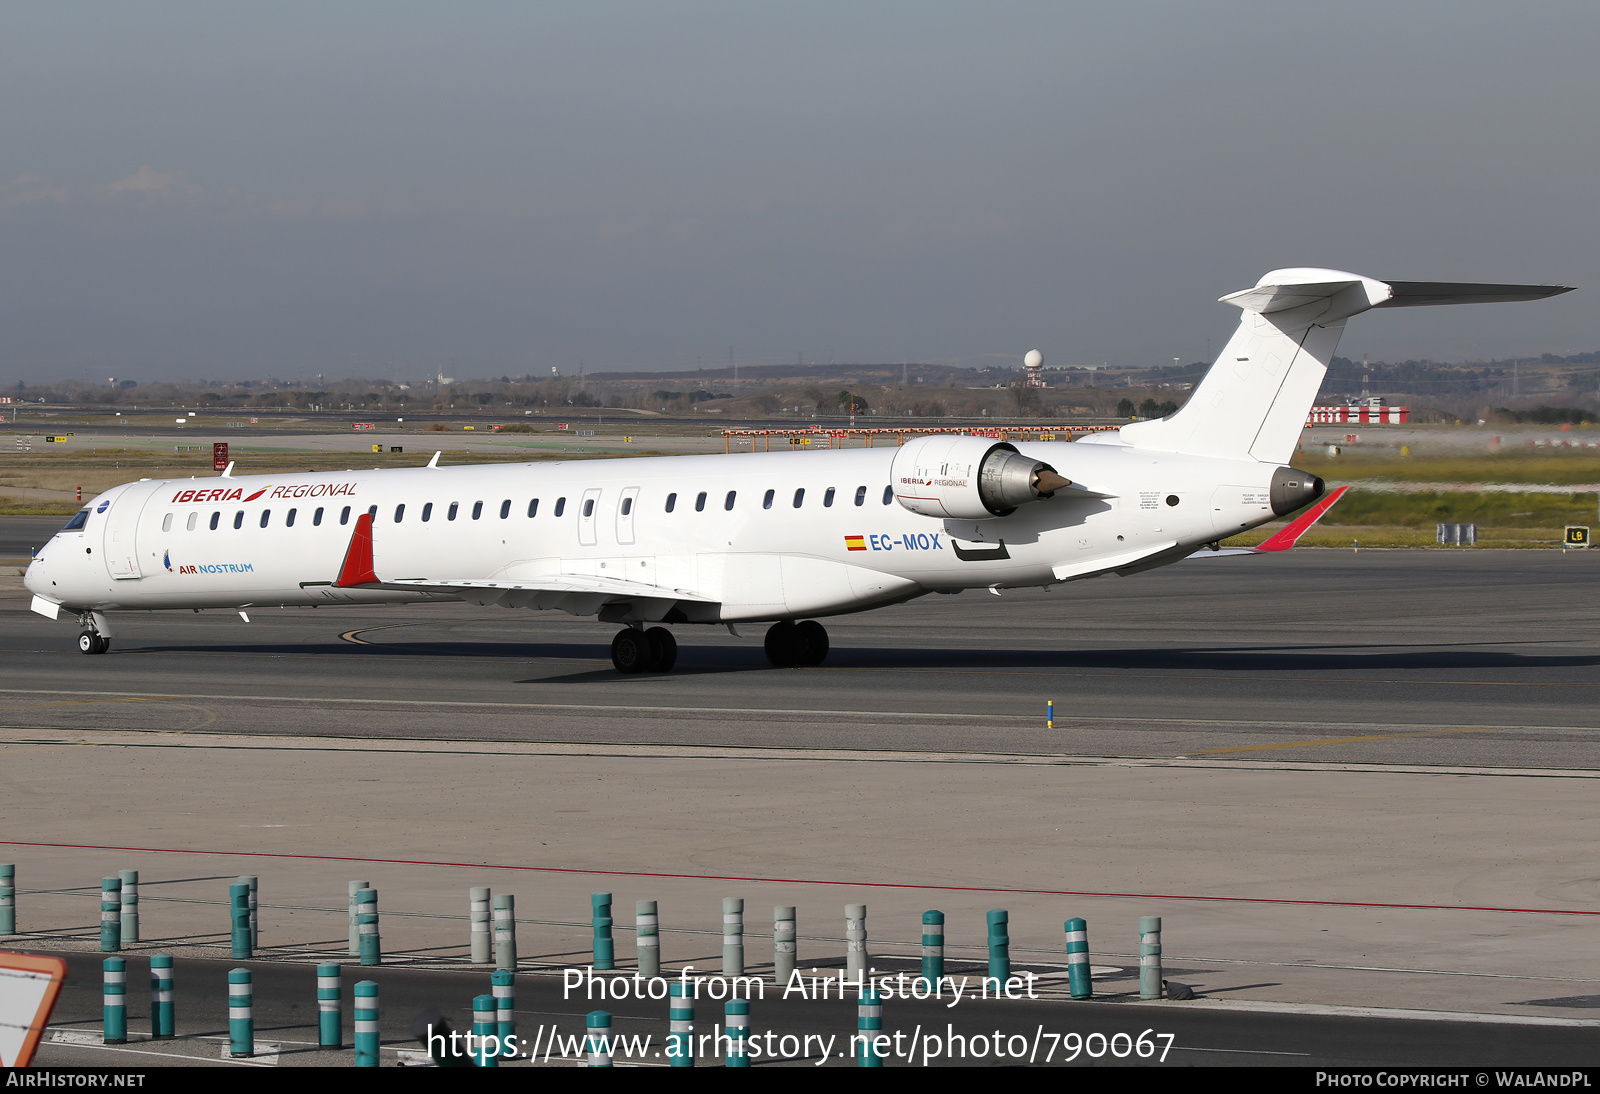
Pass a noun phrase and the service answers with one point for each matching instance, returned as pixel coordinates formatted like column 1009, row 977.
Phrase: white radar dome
column 1034, row 359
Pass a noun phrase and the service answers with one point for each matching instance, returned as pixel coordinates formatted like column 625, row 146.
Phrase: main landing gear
column 654, row 650
column 789, row 644
column 92, row 641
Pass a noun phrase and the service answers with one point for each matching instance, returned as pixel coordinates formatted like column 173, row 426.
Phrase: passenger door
column 120, row 546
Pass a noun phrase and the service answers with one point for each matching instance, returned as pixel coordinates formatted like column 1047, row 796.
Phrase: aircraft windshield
column 79, row 519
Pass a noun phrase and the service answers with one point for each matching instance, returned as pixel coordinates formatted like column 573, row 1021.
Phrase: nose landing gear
column 789, row 644
column 654, row 650
column 92, row 641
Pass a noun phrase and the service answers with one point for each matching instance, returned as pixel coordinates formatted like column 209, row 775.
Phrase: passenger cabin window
column 266, row 515
column 316, row 518
column 588, row 507
column 827, row 498
column 215, row 520
column 238, row 519
column 533, row 508
column 861, row 495
column 193, row 518
column 477, row 510
column 79, row 519
column 888, row 494
column 561, row 506
column 166, row 523
column 450, row 514
column 372, row 511
column 505, row 509
column 427, row 512
column 344, row 517
column 766, row 502
column 288, row 518
column 672, row 502
column 700, row 502
column 727, row 502
column 400, row 512
column 627, row 506
column 799, row 497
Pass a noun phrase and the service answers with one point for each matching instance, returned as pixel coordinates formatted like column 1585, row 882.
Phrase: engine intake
column 970, row 478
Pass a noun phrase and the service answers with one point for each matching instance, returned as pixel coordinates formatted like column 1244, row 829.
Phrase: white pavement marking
column 1330, row 1010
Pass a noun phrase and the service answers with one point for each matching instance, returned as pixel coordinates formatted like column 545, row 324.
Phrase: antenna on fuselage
column 435, row 461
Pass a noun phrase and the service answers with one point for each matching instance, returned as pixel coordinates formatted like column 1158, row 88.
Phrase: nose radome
column 1294, row 489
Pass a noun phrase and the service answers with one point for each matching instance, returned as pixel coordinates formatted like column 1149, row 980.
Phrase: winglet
column 227, row 472
column 1287, row 537
column 435, row 461
column 357, row 569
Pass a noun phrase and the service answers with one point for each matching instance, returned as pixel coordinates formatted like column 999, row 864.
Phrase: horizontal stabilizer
column 1416, row 294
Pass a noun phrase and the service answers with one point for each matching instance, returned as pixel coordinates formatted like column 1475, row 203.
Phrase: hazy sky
column 228, row 190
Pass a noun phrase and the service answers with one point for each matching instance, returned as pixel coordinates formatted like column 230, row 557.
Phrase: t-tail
column 1254, row 400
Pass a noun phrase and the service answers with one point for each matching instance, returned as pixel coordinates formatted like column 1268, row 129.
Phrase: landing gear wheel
column 815, row 638
column 630, row 651
column 91, row 642
column 784, row 645
column 663, row 649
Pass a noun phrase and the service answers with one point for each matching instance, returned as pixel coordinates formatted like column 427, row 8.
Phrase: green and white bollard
column 736, row 1018
column 999, row 945
column 130, row 905
column 605, row 955
column 366, row 1018
column 869, row 1023
column 355, row 929
column 110, row 914
column 680, row 1025
column 932, row 949
column 502, row 984
column 249, row 881
column 8, row 898
column 855, row 944
column 1150, row 957
column 367, row 925
column 330, row 1022
column 239, row 911
column 732, row 936
column 482, row 946
column 784, row 953
column 1078, row 981
column 241, row 1013
column 646, row 939
column 488, row 1054
column 505, row 931
column 163, row 1018
column 114, row 1000
column 599, row 1025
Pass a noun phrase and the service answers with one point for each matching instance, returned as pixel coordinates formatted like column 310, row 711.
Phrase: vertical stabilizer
column 1254, row 400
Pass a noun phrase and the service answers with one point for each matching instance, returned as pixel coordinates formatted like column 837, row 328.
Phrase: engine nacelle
column 970, row 478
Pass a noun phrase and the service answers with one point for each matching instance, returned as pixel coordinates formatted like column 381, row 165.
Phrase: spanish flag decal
column 856, row 543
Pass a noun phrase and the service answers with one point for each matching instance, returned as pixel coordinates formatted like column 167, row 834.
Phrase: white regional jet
column 729, row 539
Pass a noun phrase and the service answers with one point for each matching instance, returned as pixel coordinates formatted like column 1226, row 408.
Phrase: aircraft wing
column 556, row 584
column 1286, row 537
column 578, row 594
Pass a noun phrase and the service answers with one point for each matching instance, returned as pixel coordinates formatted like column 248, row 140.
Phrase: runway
column 1473, row 659
column 1345, row 780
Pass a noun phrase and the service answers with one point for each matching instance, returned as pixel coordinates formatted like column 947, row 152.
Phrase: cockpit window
column 79, row 519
